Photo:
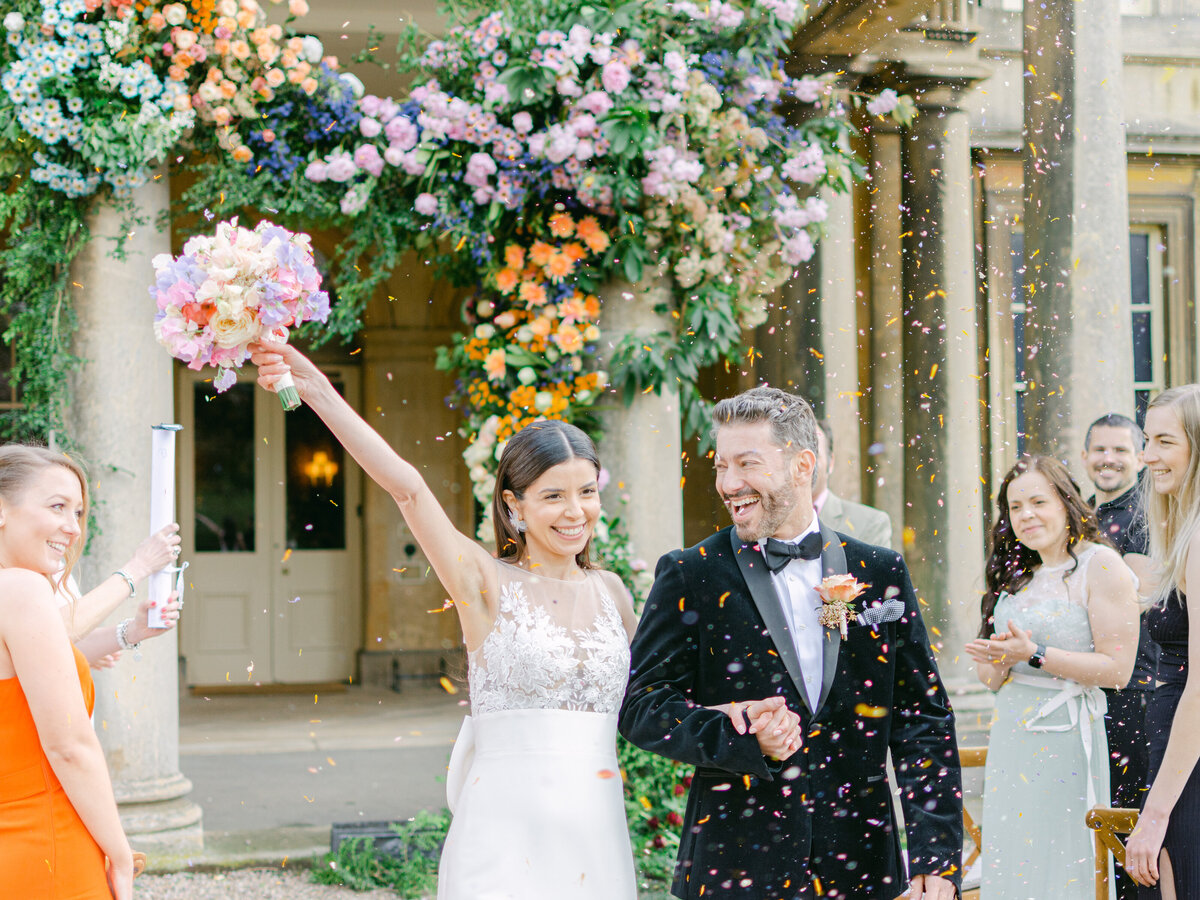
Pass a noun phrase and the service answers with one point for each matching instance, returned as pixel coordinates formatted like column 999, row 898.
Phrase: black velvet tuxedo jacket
column 713, row 631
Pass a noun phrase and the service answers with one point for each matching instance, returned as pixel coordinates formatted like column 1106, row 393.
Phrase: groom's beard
column 773, row 510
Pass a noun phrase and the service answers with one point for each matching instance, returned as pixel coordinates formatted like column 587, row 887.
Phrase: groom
column 736, row 618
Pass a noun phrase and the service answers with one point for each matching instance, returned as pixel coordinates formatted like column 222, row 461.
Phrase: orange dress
column 46, row 852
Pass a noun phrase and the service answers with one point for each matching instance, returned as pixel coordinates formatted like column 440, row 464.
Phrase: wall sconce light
column 320, row 469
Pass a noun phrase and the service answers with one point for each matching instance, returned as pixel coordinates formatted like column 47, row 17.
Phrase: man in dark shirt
column 1112, row 456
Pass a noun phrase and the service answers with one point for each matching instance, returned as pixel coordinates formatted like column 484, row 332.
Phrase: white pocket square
column 887, row 611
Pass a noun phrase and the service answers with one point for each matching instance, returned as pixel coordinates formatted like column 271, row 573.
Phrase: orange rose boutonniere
column 838, row 593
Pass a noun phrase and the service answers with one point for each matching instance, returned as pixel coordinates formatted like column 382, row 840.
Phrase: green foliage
column 45, row 232
column 358, row 865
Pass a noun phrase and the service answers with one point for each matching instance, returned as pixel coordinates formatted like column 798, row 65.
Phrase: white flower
column 356, row 86
column 14, row 21
column 313, row 50
column 884, row 103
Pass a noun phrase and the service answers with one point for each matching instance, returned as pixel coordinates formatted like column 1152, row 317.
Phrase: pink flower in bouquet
column 369, row 127
column 316, row 172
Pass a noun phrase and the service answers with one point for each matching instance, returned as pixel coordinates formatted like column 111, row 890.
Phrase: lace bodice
column 555, row 645
column 1054, row 608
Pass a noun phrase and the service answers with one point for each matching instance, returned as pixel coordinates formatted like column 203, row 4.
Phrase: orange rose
column 562, row 225
column 569, row 339
column 540, row 253
column 593, row 235
column 840, row 589
column 559, row 267
column 532, row 294
column 506, row 280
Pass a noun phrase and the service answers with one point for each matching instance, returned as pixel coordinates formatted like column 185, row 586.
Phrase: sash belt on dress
column 1072, row 695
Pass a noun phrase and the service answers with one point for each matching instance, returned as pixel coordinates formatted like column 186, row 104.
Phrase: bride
column 536, row 790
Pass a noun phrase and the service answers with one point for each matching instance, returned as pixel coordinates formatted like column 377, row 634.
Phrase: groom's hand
column 776, row 727
column 930, row 887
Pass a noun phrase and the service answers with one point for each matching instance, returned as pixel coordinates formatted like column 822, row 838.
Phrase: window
column 1147, row 249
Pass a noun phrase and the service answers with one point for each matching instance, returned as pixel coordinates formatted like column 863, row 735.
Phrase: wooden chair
column 971, row 757
column 1109, row 825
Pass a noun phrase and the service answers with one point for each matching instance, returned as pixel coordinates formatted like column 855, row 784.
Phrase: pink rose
column 426, row 204
column 523, row 123
column 615, row 76
column 393, row 155
column 597, row 103
column 316, row 172
column 367, row 157
column 401, row 132
column 340, row 167
column 369, row 127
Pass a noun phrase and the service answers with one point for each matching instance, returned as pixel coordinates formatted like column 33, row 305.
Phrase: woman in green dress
column 1060, row 622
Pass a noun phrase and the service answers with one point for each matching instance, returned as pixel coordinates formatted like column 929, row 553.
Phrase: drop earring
column 517, row 522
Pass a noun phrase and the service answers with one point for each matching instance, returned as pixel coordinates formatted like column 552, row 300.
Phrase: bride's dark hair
column 1011, row 564
column 538, row 446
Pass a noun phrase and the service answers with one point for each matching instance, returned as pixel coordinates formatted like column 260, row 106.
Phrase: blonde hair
column 1173, row 519
column 19, row 464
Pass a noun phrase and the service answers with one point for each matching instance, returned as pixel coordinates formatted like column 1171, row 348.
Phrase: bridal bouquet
column 227, row 291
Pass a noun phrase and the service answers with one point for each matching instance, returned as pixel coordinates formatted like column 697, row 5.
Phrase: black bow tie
column 780, row 553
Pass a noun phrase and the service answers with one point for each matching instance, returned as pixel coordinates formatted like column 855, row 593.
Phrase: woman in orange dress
column 58, row 817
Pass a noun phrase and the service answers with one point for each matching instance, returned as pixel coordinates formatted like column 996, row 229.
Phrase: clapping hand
column 1003, row 649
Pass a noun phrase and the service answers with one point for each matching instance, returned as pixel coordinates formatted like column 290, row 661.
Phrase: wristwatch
column 1039, row 656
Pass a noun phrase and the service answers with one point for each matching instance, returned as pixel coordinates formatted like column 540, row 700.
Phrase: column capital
column 933, row 84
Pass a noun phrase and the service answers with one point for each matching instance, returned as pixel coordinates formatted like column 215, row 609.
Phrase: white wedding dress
column 534, row 783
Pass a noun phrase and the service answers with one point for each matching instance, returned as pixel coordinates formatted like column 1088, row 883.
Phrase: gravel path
column 245, row 884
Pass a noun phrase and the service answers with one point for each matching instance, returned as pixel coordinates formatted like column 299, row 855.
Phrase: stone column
column 840, row 342
column 941, row 386
column 1079, row 349
column 123, row 388
column 641, row 444
column 886, row 465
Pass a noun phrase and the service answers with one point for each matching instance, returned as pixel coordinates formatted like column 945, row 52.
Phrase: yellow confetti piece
column 645, row 802
column 447, row 685
column 286, row 555
column 870, row 712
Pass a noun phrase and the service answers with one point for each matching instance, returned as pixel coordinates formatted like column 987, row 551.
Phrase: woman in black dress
column 1164, row 850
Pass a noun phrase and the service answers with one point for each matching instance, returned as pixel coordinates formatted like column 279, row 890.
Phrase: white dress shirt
column 795, row 585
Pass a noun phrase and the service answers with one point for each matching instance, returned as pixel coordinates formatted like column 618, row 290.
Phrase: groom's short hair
column 793, row 425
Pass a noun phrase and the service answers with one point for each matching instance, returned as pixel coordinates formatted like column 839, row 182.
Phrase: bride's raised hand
column 274, row 360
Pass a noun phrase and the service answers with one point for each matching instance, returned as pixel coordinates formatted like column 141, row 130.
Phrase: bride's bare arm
column 461, row 564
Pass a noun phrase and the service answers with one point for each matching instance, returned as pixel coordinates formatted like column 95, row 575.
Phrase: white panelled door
column 269, row 505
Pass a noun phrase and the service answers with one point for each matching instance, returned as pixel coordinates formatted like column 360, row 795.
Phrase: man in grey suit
column 868, row 524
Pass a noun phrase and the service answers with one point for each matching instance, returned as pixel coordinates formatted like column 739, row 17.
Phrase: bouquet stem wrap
column 285, row 387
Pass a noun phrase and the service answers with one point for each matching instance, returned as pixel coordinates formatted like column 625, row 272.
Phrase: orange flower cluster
column 525, row 359
column 526, row 270
column 230, row 58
